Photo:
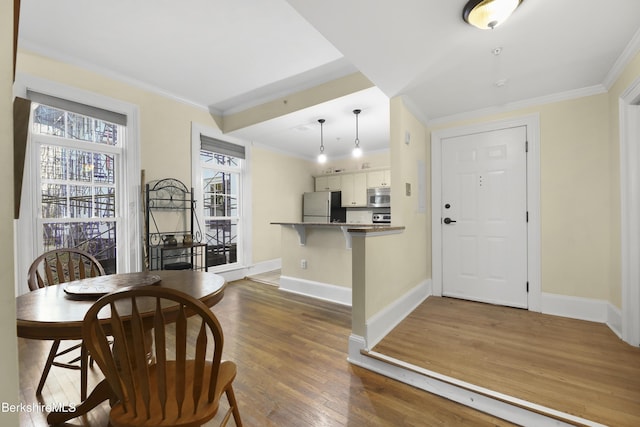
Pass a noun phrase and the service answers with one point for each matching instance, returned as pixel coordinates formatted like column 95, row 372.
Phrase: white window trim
column 629, row 109
column 129, row 233
column 246, row 213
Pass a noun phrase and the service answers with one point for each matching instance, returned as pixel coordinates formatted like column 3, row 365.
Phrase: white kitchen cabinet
column 328, row 183
column 354, row 190
column 379, row 178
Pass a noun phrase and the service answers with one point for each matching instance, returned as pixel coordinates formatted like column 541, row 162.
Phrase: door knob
column 448, row 221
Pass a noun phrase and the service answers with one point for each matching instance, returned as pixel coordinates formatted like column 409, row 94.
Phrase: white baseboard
column 356, row 343
column 264, row 267
column 379, row 325
column 574, row 307
column 593, row 310
column 319, row 290
column 242, row 272
column 614, row 319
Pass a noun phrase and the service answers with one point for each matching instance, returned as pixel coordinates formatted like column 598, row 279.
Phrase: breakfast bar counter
column 346, row 228
column 317, row 257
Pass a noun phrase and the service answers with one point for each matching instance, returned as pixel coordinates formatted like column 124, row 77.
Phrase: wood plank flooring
column 292, row 371
column 578, row 367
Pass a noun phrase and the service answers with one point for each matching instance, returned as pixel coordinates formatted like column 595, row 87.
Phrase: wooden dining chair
column 177, row 381
column 52, row 268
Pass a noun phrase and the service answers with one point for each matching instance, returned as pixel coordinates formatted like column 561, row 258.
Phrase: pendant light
column 357, row 151
column 488, row 14
column 322, row 158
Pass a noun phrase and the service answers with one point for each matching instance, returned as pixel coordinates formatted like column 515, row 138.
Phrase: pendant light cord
column 357, row 141
column 321, row 135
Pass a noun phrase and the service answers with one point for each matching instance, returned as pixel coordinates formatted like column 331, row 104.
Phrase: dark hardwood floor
column 292, row 371
column 577, row 367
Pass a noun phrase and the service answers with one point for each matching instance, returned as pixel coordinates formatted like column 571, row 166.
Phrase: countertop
column 345, row 227
column 351, row 226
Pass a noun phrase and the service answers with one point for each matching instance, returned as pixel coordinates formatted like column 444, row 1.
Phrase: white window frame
column 128, row 227
column 37, row 141
column 236, row 270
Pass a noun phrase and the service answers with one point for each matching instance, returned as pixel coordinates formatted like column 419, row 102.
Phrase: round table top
column 51, row 313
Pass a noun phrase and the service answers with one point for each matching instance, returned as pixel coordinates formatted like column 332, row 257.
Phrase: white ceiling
column 228, row 55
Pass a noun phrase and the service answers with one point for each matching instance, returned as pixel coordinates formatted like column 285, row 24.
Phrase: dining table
column 57, row 312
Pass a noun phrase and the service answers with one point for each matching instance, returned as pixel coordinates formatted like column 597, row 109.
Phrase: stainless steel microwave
column 379, row 197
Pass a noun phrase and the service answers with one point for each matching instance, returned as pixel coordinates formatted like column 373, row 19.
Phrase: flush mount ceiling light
column 357, row 151
column 322, row 158
column 488, row 14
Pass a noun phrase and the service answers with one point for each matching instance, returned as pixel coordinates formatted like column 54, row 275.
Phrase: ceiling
column 229, row 55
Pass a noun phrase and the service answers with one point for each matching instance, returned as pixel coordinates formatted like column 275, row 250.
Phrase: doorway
column 529, row 126
column 484, row 212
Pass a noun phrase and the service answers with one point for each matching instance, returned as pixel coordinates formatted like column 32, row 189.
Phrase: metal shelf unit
column 170, row 214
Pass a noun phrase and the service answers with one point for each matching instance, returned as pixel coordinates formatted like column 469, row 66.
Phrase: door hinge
column 527, row 287
column 526, row 146
column 527, row 216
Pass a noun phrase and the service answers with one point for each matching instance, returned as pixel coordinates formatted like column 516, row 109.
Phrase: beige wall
column 278, row 183
column 378, row 279
column 405, row 159
column 277, row 180
column 387, row 267
column 575, row 194
column 575, row 198
column 165, row 125
column 293, row 102
column 328, row 259
column 9, row 353
column 580, row 191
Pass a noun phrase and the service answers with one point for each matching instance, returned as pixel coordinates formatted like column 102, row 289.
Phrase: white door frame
column 629, row 107
column 532, row 124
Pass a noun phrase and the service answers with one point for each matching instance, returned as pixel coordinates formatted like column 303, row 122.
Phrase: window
column 81, row 181
column 218, row 180
column 78, row 158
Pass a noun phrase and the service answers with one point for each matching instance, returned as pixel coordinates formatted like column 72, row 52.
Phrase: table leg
column 99, row 394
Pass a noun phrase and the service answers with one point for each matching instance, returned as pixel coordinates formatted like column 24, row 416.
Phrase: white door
column 484, row 217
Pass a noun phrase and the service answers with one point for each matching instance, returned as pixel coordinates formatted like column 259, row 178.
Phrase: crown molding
column 55, row 55
column 518, row 105
column 629, row 52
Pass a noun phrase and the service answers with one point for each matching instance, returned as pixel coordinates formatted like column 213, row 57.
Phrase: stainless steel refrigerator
column 323, row 207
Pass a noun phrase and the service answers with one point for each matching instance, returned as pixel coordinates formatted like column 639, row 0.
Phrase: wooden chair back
column 180, row 381
column 61, row 266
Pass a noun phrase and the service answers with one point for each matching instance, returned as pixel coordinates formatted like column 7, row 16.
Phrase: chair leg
column 47, row 366
column 84, row 358
column 234, row 405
